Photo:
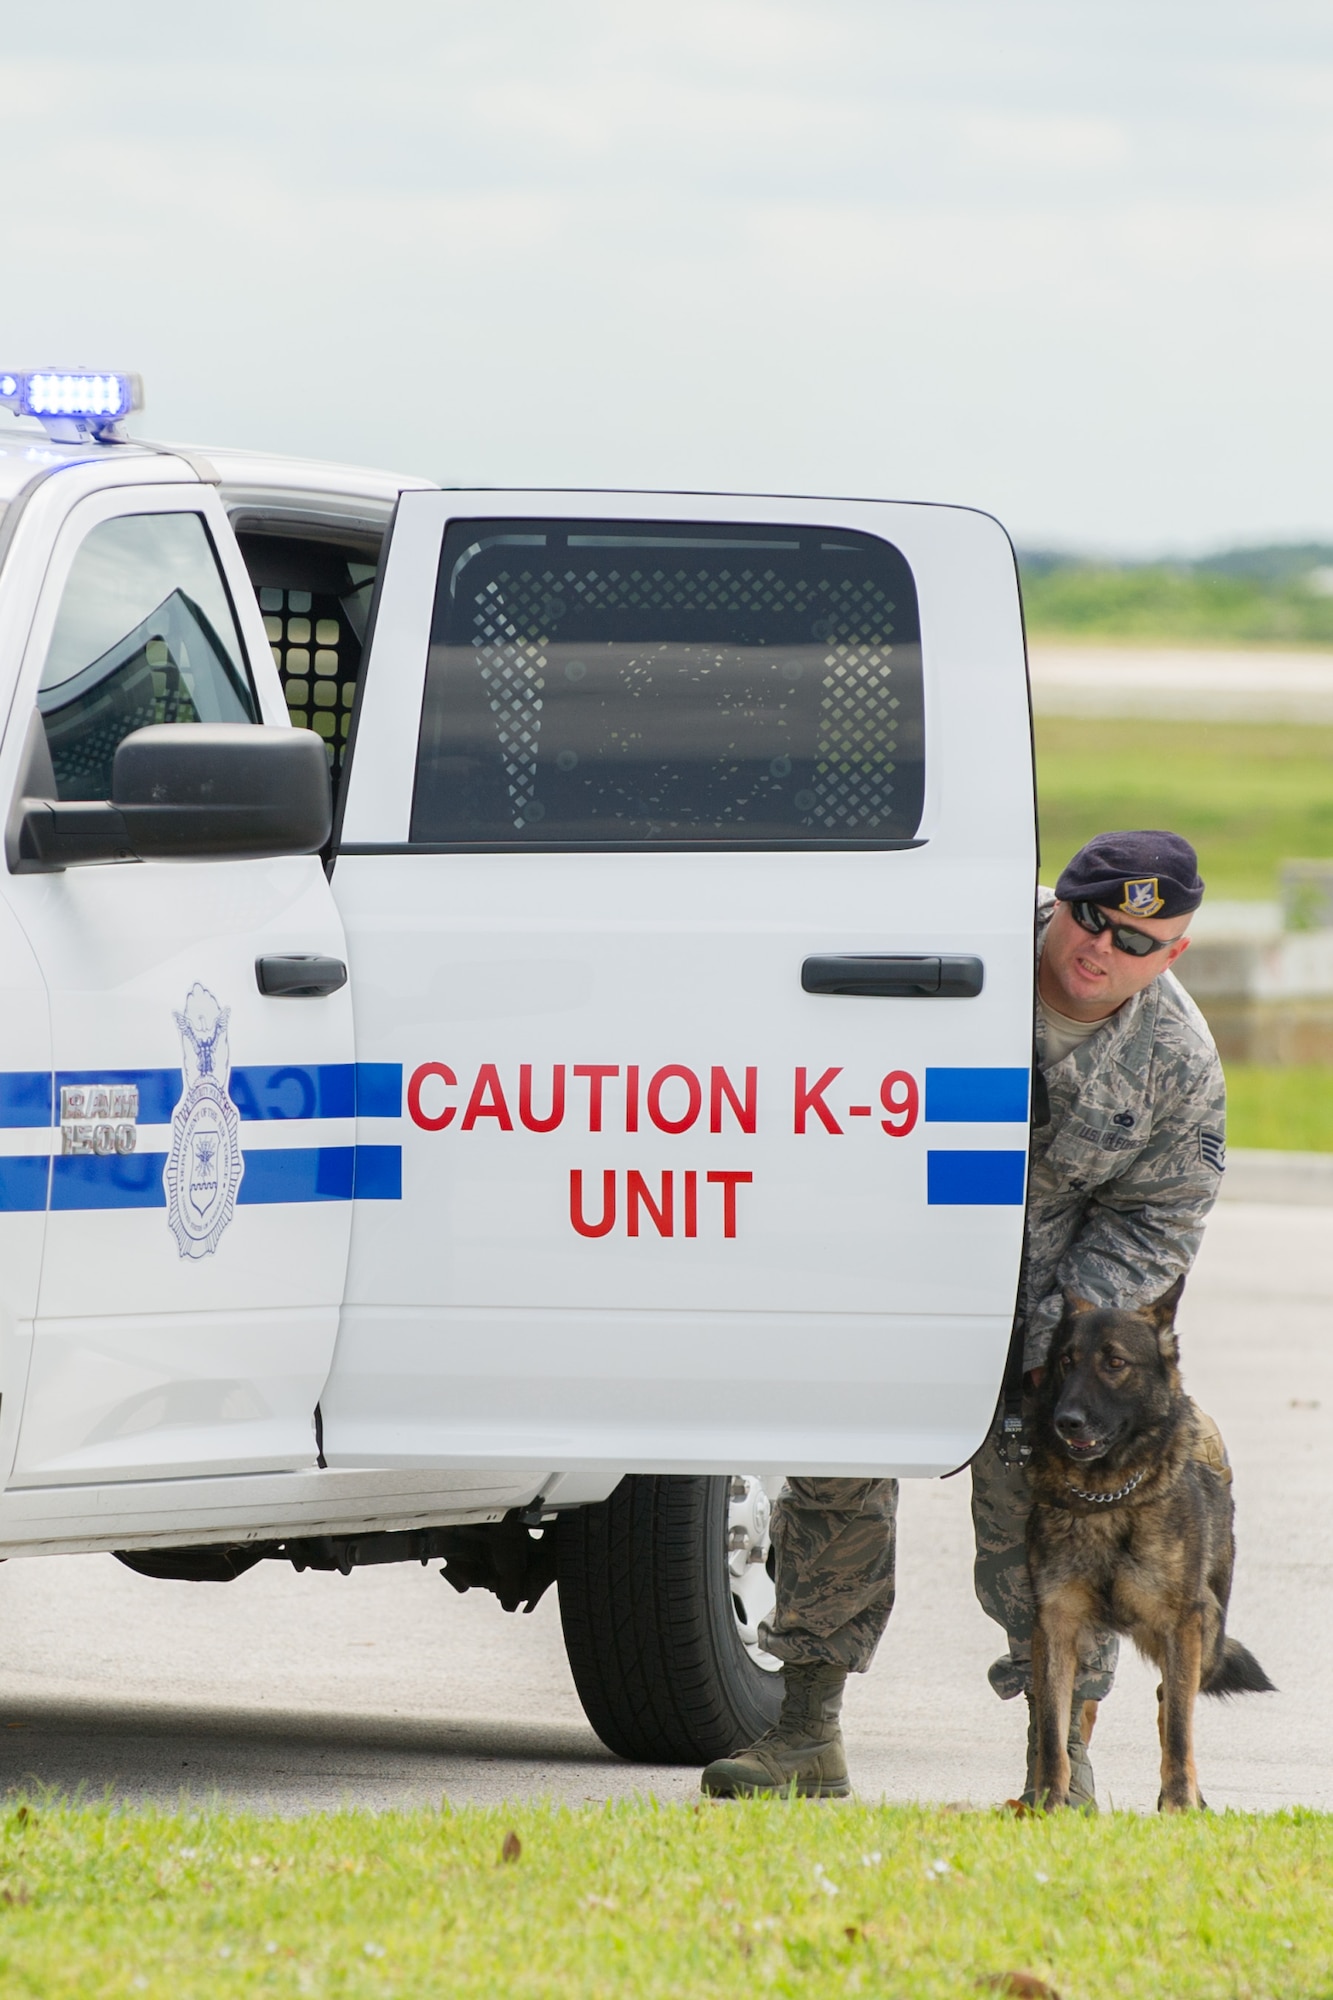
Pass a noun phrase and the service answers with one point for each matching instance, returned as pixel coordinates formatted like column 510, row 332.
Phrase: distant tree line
column 1278, row 595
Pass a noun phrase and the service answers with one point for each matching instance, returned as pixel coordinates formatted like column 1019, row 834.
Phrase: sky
column 1067, row 260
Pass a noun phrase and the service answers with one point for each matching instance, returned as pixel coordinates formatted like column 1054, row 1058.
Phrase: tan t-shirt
column 1064, row 1034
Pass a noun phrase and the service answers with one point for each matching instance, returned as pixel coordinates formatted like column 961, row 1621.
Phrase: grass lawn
column 1163, row 604
column 1287, row 1109
column 642, row 1900
column 1249, row 795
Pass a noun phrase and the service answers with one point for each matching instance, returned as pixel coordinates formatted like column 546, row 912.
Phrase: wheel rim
column 748, row 1540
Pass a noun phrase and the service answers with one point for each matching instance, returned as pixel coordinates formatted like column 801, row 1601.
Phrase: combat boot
column 1082, row 1789
column 802, row 1751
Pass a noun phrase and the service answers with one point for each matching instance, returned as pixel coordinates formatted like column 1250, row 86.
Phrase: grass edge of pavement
column 646, row 1899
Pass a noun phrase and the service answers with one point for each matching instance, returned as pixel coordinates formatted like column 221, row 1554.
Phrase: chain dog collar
column 1106, row 1499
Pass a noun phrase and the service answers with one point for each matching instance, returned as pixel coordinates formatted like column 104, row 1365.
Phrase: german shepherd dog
column 1131, row 1529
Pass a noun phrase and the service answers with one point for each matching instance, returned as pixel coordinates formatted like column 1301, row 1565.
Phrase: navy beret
column 1140, row 874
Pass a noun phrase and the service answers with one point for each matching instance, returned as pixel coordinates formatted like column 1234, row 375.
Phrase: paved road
column 384, row 1688
column 1182, row 684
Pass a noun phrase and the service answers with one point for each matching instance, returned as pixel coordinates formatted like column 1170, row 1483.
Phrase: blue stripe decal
column 379, row 1090
column 285, row 1174
column 84, row 1180
column 976, row 1096
column 25, row 1097
column 295, row 1090
column 297, row 1173
column 379, row 1173
column 975, row 1179
column 258, row 1090
column 23, row 1185
column 159, row 1089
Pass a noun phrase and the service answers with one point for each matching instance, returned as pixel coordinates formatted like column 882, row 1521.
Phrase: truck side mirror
column 204, row 791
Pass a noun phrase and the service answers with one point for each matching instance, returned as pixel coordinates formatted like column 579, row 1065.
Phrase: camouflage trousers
column 835, row 1544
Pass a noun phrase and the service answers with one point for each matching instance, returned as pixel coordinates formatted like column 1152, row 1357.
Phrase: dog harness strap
column 1012, row 1444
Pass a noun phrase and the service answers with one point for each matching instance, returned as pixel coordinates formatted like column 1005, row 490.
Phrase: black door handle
column 952, row 977
column 302, row 977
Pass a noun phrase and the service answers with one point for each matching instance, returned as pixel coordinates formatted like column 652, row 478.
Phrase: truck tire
column 651, row 1628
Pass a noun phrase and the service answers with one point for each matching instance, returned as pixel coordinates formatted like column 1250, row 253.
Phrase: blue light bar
column 72, row 402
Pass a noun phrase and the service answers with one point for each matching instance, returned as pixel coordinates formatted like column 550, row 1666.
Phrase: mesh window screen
column 318, row 658
column 314, row 596
column 622, row 682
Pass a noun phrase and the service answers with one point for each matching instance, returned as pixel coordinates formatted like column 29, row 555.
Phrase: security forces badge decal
column 204, row 1166
column 1141, row 898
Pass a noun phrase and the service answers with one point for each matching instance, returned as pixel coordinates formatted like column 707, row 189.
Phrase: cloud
column 1046, row 141
column 1012, row 254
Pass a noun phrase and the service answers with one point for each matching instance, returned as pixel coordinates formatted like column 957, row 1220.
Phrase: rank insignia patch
column 204, row 1166
column 1141, row 898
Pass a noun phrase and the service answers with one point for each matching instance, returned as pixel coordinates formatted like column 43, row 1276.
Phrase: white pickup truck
column 576, row 1076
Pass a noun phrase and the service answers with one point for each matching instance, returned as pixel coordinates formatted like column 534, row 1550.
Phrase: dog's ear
column 1075, row 1305
column 1161, row 1316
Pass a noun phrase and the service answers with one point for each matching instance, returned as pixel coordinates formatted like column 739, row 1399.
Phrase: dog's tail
column 1237, row 1672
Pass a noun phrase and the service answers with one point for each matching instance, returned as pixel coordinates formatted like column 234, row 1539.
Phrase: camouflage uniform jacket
column 1123, row 1176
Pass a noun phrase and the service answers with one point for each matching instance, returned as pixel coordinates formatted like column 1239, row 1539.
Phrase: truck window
column 618, row 683
column 144, row 634
column 314, row 591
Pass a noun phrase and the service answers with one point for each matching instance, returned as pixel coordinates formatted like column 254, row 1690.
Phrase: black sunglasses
column 1092, row 917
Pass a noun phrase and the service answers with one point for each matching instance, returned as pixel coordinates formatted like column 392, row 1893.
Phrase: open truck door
column 687, row 870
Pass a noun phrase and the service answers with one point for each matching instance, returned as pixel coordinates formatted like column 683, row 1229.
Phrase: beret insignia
column 1141, row 898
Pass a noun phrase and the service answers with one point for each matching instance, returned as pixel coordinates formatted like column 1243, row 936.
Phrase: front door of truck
column 687, row 871
column 200, row 1132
